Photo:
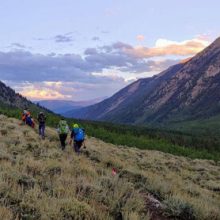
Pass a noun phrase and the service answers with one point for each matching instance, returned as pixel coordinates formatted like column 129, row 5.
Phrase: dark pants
column 77, row 145
column 63, row 140
column 42, row 130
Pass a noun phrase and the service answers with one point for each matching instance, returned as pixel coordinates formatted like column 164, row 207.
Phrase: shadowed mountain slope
column 186, row 91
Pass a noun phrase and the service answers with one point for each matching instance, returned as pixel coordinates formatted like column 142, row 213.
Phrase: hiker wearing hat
column 63, row 130
column 78, row 136
column 42, row 121
column 28, row 118
column 24, row 116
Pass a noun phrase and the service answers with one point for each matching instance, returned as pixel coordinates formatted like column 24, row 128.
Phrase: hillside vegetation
column 39, row 181
column 203, row 146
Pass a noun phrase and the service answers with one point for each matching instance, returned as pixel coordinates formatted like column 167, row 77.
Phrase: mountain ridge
column 63, row 106
column 177, row 92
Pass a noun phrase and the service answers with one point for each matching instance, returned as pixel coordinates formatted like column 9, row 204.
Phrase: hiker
column 63, row 130
column 24, row 116
column 27, row 118
column 30, row 121
column 78, row 135
column 41, row 120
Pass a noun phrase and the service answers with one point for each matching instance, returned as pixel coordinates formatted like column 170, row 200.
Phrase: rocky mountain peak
column 183, row 90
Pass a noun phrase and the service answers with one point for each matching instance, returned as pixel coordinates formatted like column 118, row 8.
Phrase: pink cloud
column 140, row 37
column 165, row 47
column 45, row 93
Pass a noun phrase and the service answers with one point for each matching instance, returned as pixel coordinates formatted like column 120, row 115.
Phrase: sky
column 81, row 50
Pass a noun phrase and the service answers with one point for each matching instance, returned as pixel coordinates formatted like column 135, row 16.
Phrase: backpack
column 79, row 135
column 63, row 127
column 29, row 120
column 25, row 114
column 41, row 118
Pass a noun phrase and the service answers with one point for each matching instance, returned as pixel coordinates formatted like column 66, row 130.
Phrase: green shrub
column 178, row 209
column 74, row 209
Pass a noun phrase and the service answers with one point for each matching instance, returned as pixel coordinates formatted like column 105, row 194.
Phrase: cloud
column 59, row 38
column 21, row 46
column 67, row 90
column 27, row 66
column 18, row 46
column 70, row 76
column 96, row 38
column 63, row 38
column 40, row 94
column 105, row 32
column 165, row 47
column 90, row 51
column 40, row 39
column 140, row 37
column 52, row 76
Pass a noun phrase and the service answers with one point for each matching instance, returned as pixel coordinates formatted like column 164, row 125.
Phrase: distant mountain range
column 65, row 106
column 186, row 91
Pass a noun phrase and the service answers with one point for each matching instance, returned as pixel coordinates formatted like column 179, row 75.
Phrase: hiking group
column 77, row 134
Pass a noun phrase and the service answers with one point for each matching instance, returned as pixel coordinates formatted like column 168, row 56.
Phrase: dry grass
column 39, row 181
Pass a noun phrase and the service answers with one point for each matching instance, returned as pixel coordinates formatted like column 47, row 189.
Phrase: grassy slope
column 174, row 142
column 38, row 181
column 177, row 143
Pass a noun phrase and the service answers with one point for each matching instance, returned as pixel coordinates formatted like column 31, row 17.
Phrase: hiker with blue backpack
column 63, row 130
column 78, row 135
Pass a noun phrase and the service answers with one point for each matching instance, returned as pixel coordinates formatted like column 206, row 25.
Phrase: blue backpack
column 29, row 120
column 79, row 134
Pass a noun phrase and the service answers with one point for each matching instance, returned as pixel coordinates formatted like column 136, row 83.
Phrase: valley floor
column 39, row 181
